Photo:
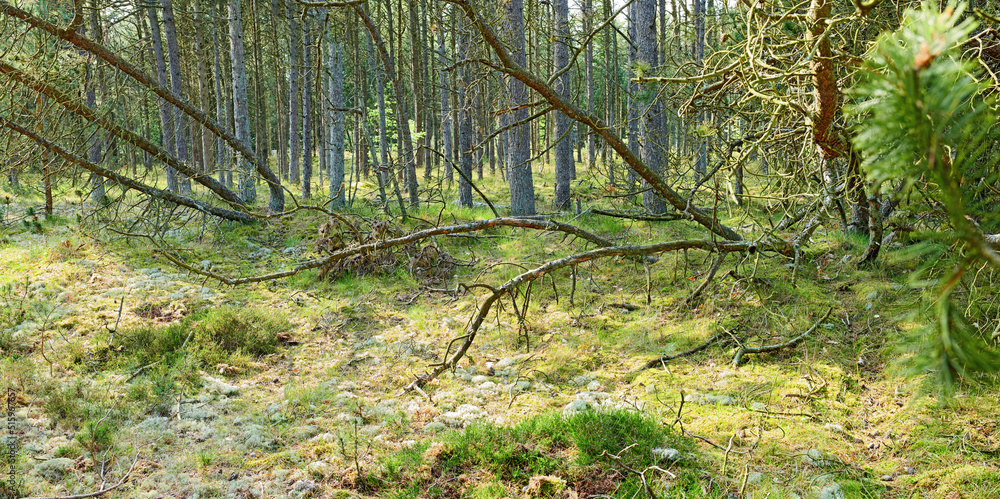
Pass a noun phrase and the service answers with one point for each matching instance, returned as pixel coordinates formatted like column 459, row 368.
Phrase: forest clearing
column 450, row 248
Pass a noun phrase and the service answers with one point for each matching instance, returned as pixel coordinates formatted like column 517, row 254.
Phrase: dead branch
column 126, row 181
column 98, row 492
column 91, row 46
column 641, row 474
column 743, row 350
column 512, row 68
column 531, row 275
column 120, row 132
column 704, row 284
column 662, row 361
column 637, row 216
column 529, row 223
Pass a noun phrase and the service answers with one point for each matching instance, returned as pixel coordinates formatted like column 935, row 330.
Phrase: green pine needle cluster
column 923, row 117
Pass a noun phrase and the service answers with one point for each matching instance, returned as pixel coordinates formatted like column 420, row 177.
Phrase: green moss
column 969, row 480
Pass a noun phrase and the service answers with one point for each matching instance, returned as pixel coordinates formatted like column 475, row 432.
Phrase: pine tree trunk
column 220, row 111
column 446, row 134
column 337, row 190
column 166, row 111
column 563, row 129
column 464, row 120
column 294, row 92
column 280, row 97
column 204, row 90
column 522, row 188
column 651, row 138
column 97, row 181
column 176, row 86
column 246, row 186
column 701, row 165
column 588, row 14
column 307, row 94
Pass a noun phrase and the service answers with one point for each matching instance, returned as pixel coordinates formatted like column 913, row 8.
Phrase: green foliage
column 949, row 347
column 514, row 453
column 65, row 403
column 150, row 343
column 395, row 466
column 535, row 446
column 596, row 432
column 925, row 120
column 251, row 330
column 70, row 451
column 97, row 436
column 169, row 357
column 921, row 105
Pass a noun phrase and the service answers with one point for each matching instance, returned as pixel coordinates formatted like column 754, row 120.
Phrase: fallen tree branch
column 704, row 284
column 530, row 223
column 531, row 275
column 733, row 146
column 743, row 349
column 641, row 474
column 277, row 202
column 118, row 131
column 662, row 361
column 563, row 105
column 98, row 492
column 667, row 217
column 126, row 181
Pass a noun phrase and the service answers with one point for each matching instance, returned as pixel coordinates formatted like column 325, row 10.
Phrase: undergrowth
column 595, row 451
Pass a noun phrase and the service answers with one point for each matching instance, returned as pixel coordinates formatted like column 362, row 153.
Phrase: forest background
column 464, row 248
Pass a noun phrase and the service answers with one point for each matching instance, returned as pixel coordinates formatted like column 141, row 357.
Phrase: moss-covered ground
column 295, row 387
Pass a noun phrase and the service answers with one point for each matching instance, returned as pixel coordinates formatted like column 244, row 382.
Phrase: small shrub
column 70, row 451
column 96, row 436
column 204, row 459
column 512, row 453
column 251, row 330
column 65, row 403
column 150, row 343
column 594, row 432
column 397, row 465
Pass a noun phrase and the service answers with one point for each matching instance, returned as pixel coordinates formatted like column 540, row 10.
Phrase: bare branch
column 126, row 181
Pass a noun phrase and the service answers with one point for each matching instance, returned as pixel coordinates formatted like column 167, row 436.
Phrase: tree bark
column 515, row 70
column 221, row 151
column 246, row 186
column 123, row 180
column 294, row 91
column 204, row 90
column 307, row 111
column 338, row 192
column 446, row 134
column 402, row 116
column 651, row 138
column 176, row 86
column 518, row 150
column 563, row 128
column 277, row 195
column 588, row 14
column 465, row 106
column 116, row 130
column 97, row 181
column 166, row 112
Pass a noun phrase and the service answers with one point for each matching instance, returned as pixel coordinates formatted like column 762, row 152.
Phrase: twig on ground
column 541, row 271
column 704, row 284
column 662, row 360
column 743, row 350
column 98, row 492
column 641, row 474
column 637, row 216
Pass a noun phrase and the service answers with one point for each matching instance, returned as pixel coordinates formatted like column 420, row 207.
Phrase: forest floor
column 120, row 363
